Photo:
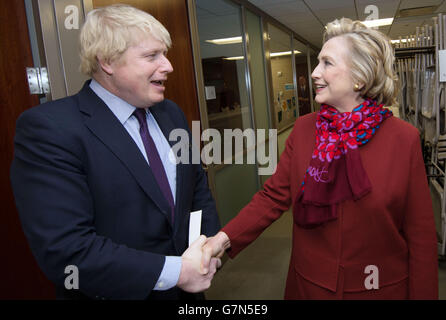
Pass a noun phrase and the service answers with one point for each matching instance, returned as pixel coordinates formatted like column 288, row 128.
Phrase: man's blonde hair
column 109, row 31
column 372, row 59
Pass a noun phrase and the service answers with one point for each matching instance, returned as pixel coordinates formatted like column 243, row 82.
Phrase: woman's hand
column 214, row 247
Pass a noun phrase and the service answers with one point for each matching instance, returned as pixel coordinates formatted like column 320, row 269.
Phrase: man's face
column 138, row 76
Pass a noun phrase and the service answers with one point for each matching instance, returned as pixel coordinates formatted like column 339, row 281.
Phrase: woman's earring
column 356, row 87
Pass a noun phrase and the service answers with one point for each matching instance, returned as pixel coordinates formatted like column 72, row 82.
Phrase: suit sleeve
column 57, row 214
column 265, row 207
column 419, row 230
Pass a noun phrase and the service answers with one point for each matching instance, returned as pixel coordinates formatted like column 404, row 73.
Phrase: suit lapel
column 104, row 125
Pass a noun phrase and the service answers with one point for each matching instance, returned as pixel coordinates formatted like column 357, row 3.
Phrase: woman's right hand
column 214, row 247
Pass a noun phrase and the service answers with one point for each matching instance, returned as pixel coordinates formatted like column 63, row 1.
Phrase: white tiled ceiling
column 308, row 17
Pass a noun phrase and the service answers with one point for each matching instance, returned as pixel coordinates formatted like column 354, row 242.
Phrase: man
column 92, row 178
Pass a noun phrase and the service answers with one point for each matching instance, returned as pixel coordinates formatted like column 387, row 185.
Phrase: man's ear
column 105, row 65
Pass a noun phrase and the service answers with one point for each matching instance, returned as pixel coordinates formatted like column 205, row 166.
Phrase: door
column 21, row 277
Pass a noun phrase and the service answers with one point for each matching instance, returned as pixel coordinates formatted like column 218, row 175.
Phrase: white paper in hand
column 194, row 226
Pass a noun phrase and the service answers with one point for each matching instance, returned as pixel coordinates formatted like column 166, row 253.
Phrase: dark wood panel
column 173, row 14
column 20, row 276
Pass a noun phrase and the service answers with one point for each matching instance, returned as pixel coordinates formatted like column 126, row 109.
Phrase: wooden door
column 21, row 278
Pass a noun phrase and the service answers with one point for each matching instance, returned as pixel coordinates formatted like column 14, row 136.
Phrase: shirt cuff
column 170, row 274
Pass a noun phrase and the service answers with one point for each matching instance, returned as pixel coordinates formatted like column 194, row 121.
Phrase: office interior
column 238, row 64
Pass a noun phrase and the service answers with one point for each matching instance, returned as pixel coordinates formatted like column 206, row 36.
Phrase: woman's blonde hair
column 372, row 59
column 109, row 31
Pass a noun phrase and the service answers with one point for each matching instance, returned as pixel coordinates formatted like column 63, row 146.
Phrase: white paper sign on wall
column 210, row 93
column 442, row 63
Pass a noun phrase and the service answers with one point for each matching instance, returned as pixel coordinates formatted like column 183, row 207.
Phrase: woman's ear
column 358, row 87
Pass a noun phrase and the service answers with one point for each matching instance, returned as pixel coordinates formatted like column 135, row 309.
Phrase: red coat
column 391, row 228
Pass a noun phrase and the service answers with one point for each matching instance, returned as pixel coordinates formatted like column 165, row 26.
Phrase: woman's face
column 332, row 76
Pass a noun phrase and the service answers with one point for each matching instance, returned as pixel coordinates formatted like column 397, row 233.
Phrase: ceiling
column 308, row 17
column 222, row 19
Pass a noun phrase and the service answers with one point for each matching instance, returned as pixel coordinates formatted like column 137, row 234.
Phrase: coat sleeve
column 56, row 209
column 419, row 230
column 266, row 206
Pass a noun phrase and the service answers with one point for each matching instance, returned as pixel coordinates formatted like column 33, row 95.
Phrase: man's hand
column 214, row 247
column 191, row 279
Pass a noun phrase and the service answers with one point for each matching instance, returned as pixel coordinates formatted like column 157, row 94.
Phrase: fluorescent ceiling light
column 378, row 22
column 226, row 40
column 273, row 54
column 234, row 58
column 285, row 53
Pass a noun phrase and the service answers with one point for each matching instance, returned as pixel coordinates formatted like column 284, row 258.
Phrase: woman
column 354, row 175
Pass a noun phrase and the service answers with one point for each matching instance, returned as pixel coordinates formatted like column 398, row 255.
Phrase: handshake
column 200, row 262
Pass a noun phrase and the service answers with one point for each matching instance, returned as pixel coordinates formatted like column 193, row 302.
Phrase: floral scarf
column 335, row 172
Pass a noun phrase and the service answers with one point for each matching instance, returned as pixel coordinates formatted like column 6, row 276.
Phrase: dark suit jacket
column 87, row 197
column 304, row 101
column 392, row 227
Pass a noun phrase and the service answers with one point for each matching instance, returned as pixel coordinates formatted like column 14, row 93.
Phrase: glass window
column 259, row 82
column 303, row 79
column 227, row 100
column 282, row 76
column 257, row 70
column 314, row 62
column 222, row 54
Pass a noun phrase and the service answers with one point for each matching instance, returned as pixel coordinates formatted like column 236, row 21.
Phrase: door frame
column 46, row 44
